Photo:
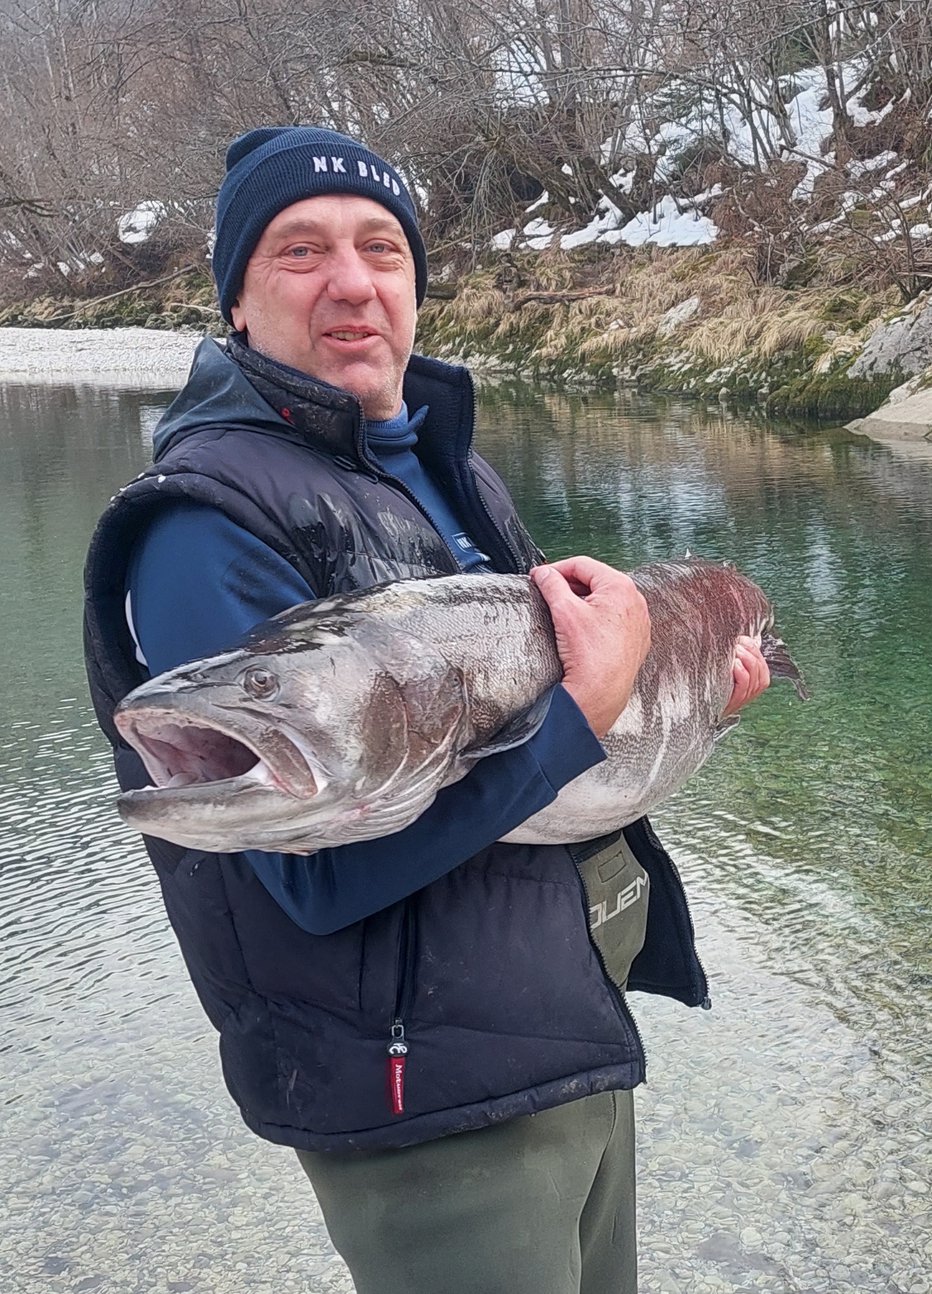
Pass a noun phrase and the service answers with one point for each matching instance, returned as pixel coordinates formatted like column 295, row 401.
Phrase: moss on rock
column 831, row 396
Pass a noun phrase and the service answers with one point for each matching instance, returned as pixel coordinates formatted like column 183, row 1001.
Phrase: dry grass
column 736, row 318
column 477, row 303
column 760, row 324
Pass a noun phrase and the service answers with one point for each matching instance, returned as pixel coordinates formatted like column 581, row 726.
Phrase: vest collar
column 330, row 417
column 333, row 419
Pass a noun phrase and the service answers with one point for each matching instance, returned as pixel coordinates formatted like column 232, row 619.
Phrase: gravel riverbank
column 137, row 357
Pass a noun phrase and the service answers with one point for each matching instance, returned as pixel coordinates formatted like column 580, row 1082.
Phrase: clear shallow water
column 784, row 1135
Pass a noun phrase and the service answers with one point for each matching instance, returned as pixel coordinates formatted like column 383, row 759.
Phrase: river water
column 784, row 1136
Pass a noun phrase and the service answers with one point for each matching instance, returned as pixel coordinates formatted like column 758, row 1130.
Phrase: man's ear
column 238, row 315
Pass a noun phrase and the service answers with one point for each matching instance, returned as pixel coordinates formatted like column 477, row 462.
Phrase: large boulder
column 907, row 414
column 903, row 344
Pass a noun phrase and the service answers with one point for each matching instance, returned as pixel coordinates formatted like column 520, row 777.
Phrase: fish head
column 252, row 748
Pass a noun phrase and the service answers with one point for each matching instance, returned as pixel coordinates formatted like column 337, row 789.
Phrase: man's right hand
column 602, row 629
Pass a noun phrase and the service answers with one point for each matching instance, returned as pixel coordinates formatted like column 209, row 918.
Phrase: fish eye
column 261, row 684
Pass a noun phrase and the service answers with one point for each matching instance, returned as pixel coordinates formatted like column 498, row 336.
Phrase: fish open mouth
column 179, row 753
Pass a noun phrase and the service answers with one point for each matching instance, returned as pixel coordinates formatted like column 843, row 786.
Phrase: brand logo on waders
column 601, row 913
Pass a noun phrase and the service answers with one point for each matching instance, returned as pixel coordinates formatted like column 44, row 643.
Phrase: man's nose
column 350, row 277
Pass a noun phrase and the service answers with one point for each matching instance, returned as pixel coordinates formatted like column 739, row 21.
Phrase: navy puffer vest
column 492, row 973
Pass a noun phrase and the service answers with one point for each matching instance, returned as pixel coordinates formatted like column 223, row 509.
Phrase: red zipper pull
column 397, row 1059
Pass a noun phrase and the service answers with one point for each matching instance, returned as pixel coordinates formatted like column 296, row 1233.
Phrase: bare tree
column 109, row 103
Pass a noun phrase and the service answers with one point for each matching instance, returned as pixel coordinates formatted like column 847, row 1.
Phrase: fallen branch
column 112, row 296
column 556, row 298
column 192, row 305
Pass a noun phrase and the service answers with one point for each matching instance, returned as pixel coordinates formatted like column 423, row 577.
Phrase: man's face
column 330, row 290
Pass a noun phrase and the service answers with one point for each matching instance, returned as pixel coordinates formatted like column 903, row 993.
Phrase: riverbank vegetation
column 707, row 197
column 691, row 321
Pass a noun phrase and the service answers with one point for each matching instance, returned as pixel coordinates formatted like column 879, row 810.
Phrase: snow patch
column 667, row 226
column 871, row 163
column 602, row 228
column 136, row 226
column 802, row 134
column 862, row 116
column 539, row 234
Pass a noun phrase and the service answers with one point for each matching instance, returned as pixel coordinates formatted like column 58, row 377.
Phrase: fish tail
column 781, row 663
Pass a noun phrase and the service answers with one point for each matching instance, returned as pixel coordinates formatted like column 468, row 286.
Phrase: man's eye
column 379, row 247
column 299, row 252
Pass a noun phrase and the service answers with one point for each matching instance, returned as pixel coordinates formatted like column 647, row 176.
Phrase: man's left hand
column 751, row 675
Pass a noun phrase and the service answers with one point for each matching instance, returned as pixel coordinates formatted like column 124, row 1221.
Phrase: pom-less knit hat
column 269, row 169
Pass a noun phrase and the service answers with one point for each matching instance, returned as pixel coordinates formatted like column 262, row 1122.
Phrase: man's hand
column 602, row 628
column 751, row 675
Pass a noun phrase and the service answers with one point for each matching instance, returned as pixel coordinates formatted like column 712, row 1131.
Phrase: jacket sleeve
column 197, row 583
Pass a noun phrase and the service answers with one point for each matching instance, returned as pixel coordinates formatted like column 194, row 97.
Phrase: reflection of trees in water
column 838, row 530
column 88, row 437
column 84, row 438
column 633, row 477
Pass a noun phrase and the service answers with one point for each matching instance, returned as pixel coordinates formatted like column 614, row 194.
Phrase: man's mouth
column 350, row 334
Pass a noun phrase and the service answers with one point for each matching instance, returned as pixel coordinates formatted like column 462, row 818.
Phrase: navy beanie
column 269, row 169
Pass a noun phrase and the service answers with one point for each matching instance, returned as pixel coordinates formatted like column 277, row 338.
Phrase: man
column 428, row 1019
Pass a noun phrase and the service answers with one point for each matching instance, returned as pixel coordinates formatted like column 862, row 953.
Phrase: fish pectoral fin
column 515, row 732
column 782, row 665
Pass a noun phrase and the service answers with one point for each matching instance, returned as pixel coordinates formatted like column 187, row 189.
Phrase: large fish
column 341, row 719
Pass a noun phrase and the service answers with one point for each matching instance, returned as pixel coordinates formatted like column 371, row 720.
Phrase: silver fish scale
column 698, row 609
column 495, row 629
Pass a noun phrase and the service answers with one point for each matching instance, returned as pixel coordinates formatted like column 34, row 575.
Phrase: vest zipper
column 616, row 988
column 398, row 483
column 472, row 488
column 514, row 559
column 376, row 472
column 397, row 1049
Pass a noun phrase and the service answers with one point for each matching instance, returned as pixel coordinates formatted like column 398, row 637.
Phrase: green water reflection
column 815, row 818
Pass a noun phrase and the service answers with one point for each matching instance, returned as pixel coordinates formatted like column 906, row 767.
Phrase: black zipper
column 616, row 988
column 404, row 963
column 472, row 487
column 398, row 1047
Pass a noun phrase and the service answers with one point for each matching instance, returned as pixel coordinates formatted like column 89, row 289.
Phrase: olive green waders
column 543, row 1204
